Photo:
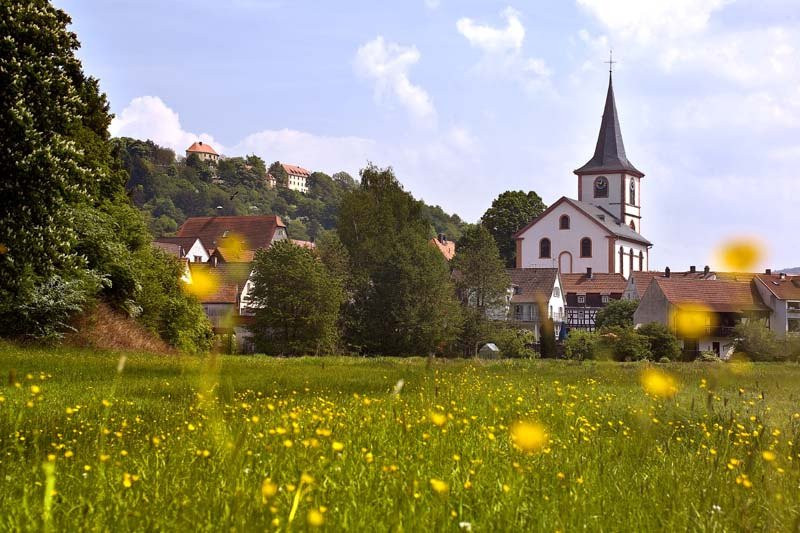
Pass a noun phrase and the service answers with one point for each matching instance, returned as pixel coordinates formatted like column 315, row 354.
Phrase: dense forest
column 168, row 189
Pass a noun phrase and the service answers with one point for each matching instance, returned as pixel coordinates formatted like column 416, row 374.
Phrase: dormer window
column 601, row 187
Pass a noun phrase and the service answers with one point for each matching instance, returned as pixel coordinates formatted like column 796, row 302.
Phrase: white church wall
column 568, row 241
column 624, row 267
column 611, row 204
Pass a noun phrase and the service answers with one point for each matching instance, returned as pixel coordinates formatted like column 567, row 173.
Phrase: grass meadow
column 255, row 443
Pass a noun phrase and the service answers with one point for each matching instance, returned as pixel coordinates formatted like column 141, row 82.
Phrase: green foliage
column 757, row 342
column 515, row 343
column 663, row 344
column 617, row 313
column 481, row 279
column 296, row 301
column 581, row 344
column 622, row 344
column 403, row 301
column 509, row 213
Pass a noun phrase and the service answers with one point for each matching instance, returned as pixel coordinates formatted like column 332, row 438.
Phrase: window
column 586, row 247
column 601, row 187
column 632, row 190
column 794, row 325
column 197, row 258
column 605, row 298
column 581, row 298
column 556, row 292
column 544, row 248
column 631, row 262
column 641, row 261
column 517, row 290
column 633, row 225
column 563, row 222
column 793, row 306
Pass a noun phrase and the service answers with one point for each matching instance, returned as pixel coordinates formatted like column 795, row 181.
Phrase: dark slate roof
column 608, row 220
column 535, row 284
column 609, row 154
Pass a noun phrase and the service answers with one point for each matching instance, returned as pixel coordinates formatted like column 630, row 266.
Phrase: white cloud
column 148, row 117
column 502, row 51
column 387, row 64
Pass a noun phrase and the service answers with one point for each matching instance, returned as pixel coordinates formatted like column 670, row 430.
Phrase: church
column 602, row 229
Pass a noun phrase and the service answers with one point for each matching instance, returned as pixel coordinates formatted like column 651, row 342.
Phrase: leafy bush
column 663, row 344
column 580, row 344
column 516, row 343
column 707, row 356
column 623, row 344
column 757, row 342
column 617, row 313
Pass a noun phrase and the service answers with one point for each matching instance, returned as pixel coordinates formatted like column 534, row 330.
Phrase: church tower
column 608, row 180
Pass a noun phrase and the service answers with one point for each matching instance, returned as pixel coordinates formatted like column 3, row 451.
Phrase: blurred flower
column 693, row 320
column 315, row 518
column 768, row 455
column 438, row 419
column 529, row 436
column 439, row 486
column 659, row 383
column 741, row 254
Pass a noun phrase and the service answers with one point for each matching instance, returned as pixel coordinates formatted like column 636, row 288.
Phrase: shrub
column 516, row 343
column 708, row 357
column 757, row 342
column 616, row 313
column 624, row 344
column 663, row 344
column 664, row 360
column 580, row 345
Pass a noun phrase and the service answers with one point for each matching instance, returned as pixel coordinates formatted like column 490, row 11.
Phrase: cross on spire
column 610, row 61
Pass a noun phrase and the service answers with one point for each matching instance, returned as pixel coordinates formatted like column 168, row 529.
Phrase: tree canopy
column 509, row 213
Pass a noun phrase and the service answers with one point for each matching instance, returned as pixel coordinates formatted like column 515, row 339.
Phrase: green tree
column 622, row 344
column 509, row 213
column 581, row 344
column 297, row 301
column 277, row 171
column 403, row 301
column 756, row 341
column 663, row 344
column 616, row 313
column 481, row 278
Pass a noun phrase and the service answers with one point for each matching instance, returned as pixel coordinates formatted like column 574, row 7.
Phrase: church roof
column 609, row 153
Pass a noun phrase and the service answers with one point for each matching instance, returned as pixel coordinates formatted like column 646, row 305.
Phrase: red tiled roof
column 170, row 248
column 201, row 147
column 295, row 170
column 303, row 244
column 722, row 296
column 448, row 248
column 642, row 279
column 600, row 283
column 532, row 284
column 744, row 277
column 255, row 231
column 235, row 255
column 227, row 281
column 787, row 288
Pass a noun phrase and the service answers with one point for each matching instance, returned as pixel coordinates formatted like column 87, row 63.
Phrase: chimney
column 783, row 276
column 214, row 260
column 692, row 269
column 589, row 272
column 200, row 143
column 768, row 272
column 707, row 270
column 666, row 272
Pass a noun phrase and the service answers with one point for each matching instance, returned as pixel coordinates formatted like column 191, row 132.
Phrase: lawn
column 255, row 443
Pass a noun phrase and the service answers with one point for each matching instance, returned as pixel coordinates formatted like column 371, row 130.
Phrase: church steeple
column 609, row 153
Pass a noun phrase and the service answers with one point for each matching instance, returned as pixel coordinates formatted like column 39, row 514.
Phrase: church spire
column 609, row 153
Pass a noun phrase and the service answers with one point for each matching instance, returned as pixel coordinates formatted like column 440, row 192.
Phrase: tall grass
column 252, row 443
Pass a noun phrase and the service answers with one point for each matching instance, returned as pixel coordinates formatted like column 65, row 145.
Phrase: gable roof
column 295, row 170
column 721, row 296
column 535, row 284
column 609, row 153
column 227, row 281
column 610, row 223
column 172, row 249
column 642, row 279
column 200, row 147
column 304, row 244
column 599, row 283
column 255, row 231
column 787, row 288
column 234, row 254
column 448, row 248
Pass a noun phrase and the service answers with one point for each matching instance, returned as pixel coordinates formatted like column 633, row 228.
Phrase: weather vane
column 610, row 61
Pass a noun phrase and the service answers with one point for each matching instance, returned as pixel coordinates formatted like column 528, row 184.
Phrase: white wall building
column 600, row 230
column 297, row 177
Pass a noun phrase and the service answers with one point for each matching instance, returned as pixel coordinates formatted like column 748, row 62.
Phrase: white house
column 600, row 230
column 535, row 294
column 781, row 293
column 297, row 177
column 204, row 151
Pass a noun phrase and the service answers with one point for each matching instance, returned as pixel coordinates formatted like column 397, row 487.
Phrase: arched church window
column 544, row 248
column 630, row 266
column 632, row 189
column 563, row 222
column 586, row 247
column 601, row 187
column 641, row 261
column 633, row 225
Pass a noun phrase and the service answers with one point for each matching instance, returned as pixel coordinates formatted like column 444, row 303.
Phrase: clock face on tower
column 601, row 187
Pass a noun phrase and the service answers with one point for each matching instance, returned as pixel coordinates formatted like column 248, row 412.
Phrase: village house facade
column 586, row 294
column 600, row 230
column 204, row 151
column 535, row 295
column 781, row 293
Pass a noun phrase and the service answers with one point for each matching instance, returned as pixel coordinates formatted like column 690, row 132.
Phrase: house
column 204, row 151
column 601, row 229
column 535, row 295
column 239, row 232
column 702, row 313
column 297, row 177
column 639, row 281
column 586, row 294
column 190, row 248
column 448, row 248
column 304, row 244
column 781, row 293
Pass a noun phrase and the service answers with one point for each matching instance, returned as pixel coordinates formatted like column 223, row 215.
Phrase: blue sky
column 466, row 99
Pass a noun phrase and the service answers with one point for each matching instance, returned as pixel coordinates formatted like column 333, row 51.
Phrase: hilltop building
column 296, row 178
column 204, row 151
column 601, row 229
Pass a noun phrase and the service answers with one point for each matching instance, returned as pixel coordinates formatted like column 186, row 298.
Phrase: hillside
column 168, row 190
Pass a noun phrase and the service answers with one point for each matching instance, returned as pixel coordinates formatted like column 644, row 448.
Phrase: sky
column 466, row 99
